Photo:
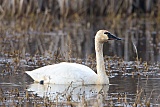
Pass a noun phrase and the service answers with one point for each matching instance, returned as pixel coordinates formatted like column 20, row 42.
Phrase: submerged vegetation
column 35, row 33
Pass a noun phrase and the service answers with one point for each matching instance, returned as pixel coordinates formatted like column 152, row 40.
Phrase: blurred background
column 67, row 28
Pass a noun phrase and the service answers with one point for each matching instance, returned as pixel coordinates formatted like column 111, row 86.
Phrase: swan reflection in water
column 71, row 93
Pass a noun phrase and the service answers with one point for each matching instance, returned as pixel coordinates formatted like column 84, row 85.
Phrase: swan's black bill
column 112, row 37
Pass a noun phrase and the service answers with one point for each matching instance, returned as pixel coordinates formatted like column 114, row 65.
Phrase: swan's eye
column 106, row 33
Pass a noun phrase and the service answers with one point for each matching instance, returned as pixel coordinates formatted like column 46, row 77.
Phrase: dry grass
column 53, row 27
column 34, row 35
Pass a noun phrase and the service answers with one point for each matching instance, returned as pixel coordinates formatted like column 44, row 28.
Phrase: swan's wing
column 63, row 73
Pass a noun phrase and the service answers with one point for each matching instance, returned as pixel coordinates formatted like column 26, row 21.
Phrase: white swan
column 65, row 73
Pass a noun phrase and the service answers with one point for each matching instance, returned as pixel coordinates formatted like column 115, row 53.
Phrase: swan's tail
column 35, row 76
column 28, row 72
column 31, row 74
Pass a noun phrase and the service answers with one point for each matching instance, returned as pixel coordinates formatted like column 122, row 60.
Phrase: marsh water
column 131, row 84
column 38, row 33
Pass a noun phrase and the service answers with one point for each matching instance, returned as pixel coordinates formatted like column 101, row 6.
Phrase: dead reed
column 47, row 27
column 39, row 33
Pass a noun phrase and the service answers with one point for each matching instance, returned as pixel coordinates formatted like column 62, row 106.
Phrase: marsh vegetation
column 35, row 33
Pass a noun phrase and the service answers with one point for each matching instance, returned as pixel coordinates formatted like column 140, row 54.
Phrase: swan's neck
column 100, row 62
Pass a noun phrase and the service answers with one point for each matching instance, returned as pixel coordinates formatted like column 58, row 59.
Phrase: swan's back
column 64, row 73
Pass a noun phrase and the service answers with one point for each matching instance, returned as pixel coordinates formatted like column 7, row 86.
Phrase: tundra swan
column 66, row 73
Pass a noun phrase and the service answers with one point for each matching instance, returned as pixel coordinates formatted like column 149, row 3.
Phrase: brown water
column 54, row 30
column 127, row 86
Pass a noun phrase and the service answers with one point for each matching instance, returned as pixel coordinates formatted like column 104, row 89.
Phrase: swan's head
column 104, row 36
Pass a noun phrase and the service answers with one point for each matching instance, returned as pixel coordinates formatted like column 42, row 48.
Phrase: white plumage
column 64, row 73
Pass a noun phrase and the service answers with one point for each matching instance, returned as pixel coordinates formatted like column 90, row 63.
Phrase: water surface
column 127, row 88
